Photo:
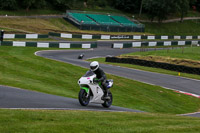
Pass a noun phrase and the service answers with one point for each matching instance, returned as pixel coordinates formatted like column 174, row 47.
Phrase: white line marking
column 95, row 57
column 65, row 109
column 190, row 113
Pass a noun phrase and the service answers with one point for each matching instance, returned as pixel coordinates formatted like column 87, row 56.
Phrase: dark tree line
column 159, row 9
column 155, row 9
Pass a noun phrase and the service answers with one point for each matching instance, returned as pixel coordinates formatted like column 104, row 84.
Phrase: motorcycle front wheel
column 108, row 103
column 83, row 99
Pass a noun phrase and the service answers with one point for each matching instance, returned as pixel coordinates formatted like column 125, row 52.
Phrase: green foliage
column 182, row 7
column 127, row 5
column 94, row 3
column 161, row 9
column 157, row 8
column 8, row 4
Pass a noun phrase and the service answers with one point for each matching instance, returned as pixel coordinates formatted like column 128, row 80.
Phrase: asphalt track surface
column 14, row 98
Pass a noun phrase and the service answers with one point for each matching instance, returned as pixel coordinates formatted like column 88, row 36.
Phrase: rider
column 101, row 77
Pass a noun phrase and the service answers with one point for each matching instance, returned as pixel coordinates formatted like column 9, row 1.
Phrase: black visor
column 93, row 67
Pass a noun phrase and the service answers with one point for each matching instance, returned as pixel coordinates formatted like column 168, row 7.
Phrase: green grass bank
column 32, row 121
column 192, row 53
column 45, row 25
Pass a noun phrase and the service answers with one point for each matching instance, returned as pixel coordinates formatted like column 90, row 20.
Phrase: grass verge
column 192, row 53
column 30, row 12
column 45, row 25
column 89, row 122
column 19, row 67
column 188, row 27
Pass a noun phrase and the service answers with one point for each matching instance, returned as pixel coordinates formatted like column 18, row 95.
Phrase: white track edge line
column 64, row 109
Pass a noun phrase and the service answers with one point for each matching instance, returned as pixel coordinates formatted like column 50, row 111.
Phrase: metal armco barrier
column 172, row 67
column 27, row 36
column 155, row 43
column 135, row 37
column 49, row 44
column 1, row 35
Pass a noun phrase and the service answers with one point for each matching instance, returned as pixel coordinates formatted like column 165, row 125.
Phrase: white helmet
column 94, row 66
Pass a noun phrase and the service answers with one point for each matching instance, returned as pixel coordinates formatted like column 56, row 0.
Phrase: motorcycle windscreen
column 88, row 74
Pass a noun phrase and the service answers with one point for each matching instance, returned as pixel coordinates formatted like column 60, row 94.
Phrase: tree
column 159, row 9
column 61, row 5
column 28, row 3
column 127, row 5
column 31, row 4
column 141, row 6
column 8, row 4
column 182, row 7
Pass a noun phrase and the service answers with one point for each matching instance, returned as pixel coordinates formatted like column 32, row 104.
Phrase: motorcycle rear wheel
column 83, row 99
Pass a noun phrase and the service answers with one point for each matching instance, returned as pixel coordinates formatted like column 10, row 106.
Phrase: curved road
column 15, row 98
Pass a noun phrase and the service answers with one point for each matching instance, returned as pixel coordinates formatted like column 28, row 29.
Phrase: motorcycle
column 92, row 92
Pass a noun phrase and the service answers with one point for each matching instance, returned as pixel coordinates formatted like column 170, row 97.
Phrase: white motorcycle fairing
column 94, row 87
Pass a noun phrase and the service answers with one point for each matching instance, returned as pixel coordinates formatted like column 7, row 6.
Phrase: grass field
column 30, row 12
column 19, row 67
column 33, row 121
column 192, row 53
column 188, row 56
column 188, row 27
column 46, row 25
column 43, row 26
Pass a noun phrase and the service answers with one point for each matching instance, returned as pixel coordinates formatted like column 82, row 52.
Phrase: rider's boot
column 106, row 97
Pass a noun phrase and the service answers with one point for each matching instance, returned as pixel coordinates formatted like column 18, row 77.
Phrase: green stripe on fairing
column 86, row 89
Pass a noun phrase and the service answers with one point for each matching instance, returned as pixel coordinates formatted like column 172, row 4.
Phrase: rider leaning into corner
column 101, row 77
